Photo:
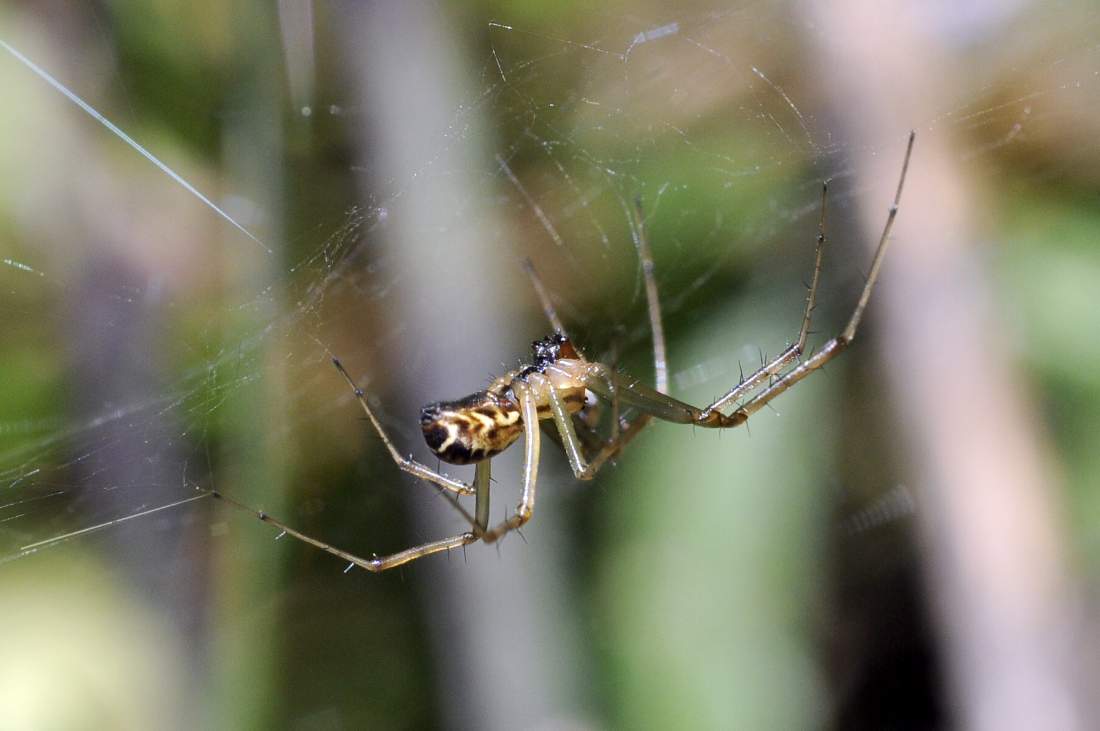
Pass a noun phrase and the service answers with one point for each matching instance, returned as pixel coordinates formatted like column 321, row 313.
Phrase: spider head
column 550, row 349
column 472, row 429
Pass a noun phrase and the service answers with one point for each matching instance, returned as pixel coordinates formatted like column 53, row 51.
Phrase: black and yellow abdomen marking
column 472, row 429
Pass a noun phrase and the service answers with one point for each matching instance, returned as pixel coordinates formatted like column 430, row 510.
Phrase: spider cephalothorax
column 550, row 349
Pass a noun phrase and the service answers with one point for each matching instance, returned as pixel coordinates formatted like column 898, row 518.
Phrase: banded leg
column 405, row 464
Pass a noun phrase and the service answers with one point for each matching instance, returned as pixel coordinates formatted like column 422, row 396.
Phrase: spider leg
column 482, row 475
column 653, row 303
column 405, row 464
column 544, row 298
column 373, row 565
column 836, row 345
column 588, row 437
column 609, row 384
column 592, row 449
column 616, row 416
column 613, row 446
column 883, row 242
column 574, row 450
column 481, row 505
column 621, row 435
column 572, row 445
column 591, row 441
column 605, row 382
column 449, row 488
column 526, row 505
column 478, row 522
column 795, row 350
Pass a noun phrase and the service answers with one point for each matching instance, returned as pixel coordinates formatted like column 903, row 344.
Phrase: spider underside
column 556, row 386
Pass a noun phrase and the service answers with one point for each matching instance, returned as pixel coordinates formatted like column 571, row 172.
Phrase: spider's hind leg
column 478, row 523
column 374, row 564
column 405, row 464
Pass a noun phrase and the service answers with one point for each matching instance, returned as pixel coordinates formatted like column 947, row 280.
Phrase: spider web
column 594, row 153
column 155, row 350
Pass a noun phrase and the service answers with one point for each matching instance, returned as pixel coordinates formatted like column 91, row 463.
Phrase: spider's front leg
column 837, row 345
column 793, row 351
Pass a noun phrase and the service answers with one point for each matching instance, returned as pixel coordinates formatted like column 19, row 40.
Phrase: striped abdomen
column 486, row 423
column 472, row 429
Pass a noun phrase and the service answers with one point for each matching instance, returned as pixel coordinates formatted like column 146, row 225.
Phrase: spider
column 559, row 385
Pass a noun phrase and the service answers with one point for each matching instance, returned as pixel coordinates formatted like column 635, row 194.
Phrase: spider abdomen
column 472, row 429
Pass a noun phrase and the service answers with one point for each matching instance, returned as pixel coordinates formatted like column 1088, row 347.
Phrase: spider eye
column 546, row 351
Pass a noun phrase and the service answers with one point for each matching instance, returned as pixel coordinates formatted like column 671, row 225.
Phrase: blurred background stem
column 990, row 507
